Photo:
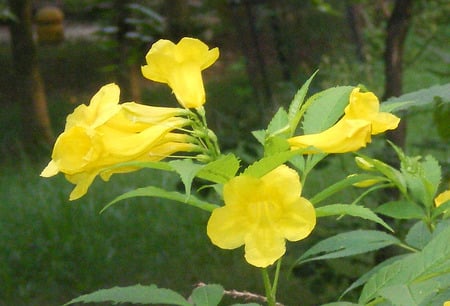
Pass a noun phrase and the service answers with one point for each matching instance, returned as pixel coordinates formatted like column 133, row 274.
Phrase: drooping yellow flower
column 180, row 66
column 261, row 213
column 365, row 106
column 442, row 198
column 353, row 131
column 105, row 133
column 344, row 136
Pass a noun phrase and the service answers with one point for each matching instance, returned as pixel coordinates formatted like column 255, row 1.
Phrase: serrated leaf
column 432, row 262
column 351, row 210
column 152, row 191
column 348, row 244
column 275, row 145
column 421, row 97
column 418, row 235
column 187, row 170
column 325, row 109
column 294, row 113
column 136, row 294
column 267, row 164
column 221, row 170
column 401, row 210
column 208, row 295
column 260, row 136
column 279, row 123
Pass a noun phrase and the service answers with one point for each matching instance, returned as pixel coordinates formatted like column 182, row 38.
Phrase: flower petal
column 365, row 106
column 344, row 136
column 283, row 183
column 227, row 227
column 298, row 221
column 263, row 247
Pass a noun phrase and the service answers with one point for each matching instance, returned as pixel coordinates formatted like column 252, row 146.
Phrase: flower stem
column 268, row 287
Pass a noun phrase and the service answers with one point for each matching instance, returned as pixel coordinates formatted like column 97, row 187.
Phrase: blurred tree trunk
column 356, row 22
column 177, row 16
column 280, row 38
column 128, row 72
column 396, row 31
column 29, row 86
column 244, row 20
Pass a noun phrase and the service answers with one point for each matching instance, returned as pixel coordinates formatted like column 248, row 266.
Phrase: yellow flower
column 106, row 133
column 365, row 106
column 446, row 303
column 261, row 213
column 344, row 136
column 442, row 198
column 180, row 66
column 353, row 131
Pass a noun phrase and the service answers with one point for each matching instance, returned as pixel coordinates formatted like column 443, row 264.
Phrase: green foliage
column 325, row 108
column 152, row 191
column 347, row 244
column 351, row 210
column 418, row 277
column 419, row 98
column 136, row 294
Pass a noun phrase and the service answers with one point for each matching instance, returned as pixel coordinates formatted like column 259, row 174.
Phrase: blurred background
column 54, row 55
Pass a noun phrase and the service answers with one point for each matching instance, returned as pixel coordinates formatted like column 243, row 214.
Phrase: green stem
column 268, row 287
column 276, row 278
column 407, row 247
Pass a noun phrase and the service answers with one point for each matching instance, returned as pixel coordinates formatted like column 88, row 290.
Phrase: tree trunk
column 29, row 86
column 356, row 22
column 397, row 29
column 128, row 72
column 245, row 22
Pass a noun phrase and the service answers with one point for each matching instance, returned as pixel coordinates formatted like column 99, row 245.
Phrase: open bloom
column 353, row 131
column 105, row 133
column 261, row 213
column 180, row 66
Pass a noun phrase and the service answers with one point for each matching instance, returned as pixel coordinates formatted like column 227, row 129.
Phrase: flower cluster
column 259, row 212
column 106, row 133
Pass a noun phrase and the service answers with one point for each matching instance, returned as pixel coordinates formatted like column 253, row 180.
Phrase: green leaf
column 208, row 295
column 325, row 109
column 417, row 98
column 341, row 304
column 151, row 165
column 136, row 294
column 401, row 210
column 275, row 145
column 267, row 164
column 152, row 191
column 366, row 276
column 260, row 135
column 418, row 235
column 279, row 124
column 187, row 171
column 247, row 304
column 429, row 265
column 340, row 185
column 422, row 177
column 221, row 170
column 351, row 210
column 294, row 113
column 348, row 244
column 395, row 176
